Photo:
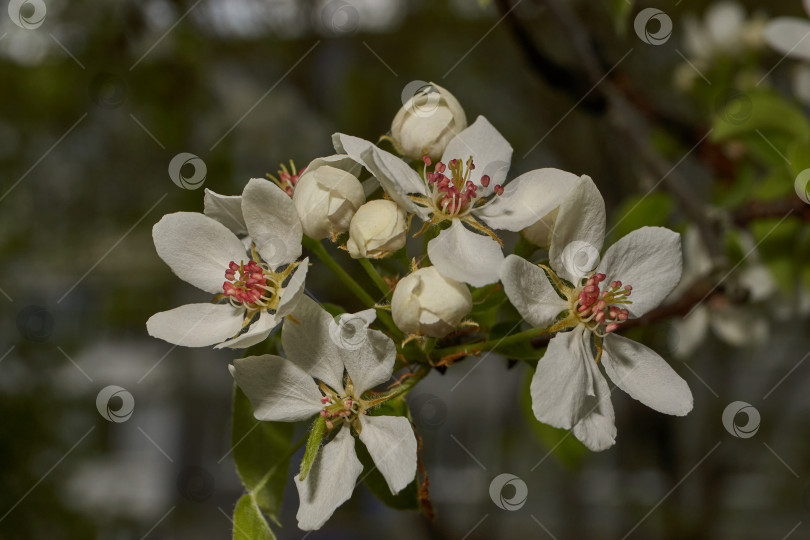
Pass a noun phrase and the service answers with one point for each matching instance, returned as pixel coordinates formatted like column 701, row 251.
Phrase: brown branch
column 770, row 209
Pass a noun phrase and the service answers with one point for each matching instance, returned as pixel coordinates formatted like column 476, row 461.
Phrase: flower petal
column 578, row 232
column 648, row 259
column 196, row 325
column 392, row 445
column 330, row 481
column 227, row 209
column 197, row 248
column 466, row 256
column 395, row 176
column 307, row 342
column 256, row 332
column 527, row 199
column 645, row 376
column 293, row 291
column 372, row 363
column 272, row 222
column 597, row 427
column 278, row 390
column 491, row 153
column 530, row 291
column 790, row 36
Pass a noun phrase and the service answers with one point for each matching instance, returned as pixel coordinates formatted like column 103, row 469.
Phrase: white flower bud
column 377, row 230
column 326, row 197
column 429, row 304
column 539, row 233
column 427, row 122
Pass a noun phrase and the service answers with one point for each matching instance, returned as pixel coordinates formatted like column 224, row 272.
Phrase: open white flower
column 427, row 122
column 465, row 189
column 324, row 375
column 737, row 325
column 568, row 390
column 257, row 274
column 790, row 35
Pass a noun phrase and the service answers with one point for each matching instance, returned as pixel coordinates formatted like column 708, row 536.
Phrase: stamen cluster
column 454, row 193
column 337, row 409
column 287, row 180
column 594, row 304
column 249, row 288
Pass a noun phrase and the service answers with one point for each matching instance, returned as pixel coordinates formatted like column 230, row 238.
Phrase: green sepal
column 313, row 445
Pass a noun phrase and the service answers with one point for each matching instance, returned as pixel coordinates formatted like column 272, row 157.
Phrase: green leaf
column 651, row 210
column 619, row 11
column 407, row 499
column 761, row 110
column 393, row 407
column 560, row 443
column 261, row 452
column 248, row 522
column 313, row 445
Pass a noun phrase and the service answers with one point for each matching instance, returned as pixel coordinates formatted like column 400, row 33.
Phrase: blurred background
column 99, row 97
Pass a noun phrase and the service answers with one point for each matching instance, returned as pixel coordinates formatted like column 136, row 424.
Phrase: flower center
column 450, row 191
column 596, row 307
column 337, row 409
column 252, row 286
column 287, row 180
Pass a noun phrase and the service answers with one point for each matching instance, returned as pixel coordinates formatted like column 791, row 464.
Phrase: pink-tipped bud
column 324, row 413
column 440, row 167
column 325, row 400
column 623, row 314
column 498, row 189
column 613, row 312
column 599, row 317
column 599, row 277
column 611, row 327
column 601, row 304
column 485, row 180
column 426, row 159
column 329, row 424
column 347, row 404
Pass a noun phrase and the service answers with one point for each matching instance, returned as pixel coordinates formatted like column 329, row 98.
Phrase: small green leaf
column 313, row 445
column 619, row 10
column 407, row 499
column 248, row 522
column 393, row 407
column 261, row 452
column 651, row 210
column 765, row 111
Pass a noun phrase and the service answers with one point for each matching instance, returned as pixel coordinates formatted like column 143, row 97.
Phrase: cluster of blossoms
column 338, row 372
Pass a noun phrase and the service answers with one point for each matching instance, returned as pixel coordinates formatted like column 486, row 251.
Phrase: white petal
column 307, row 342
column 649, row 260
column 330, row 481
column 690, row 332
column 395, row 176
column 645, row 376
column 293, row 291
column 597, row 428
column 227, row 209
column 196, row 325
column 256, row 332
column 392, row 445
column 197, row 248
column 579, row 231
column 466, row 256
column 272, row 222
column 278, row 390
column 527, row 199
column 339, row 161
column 372, row 363
column 789, row 36
column 530, row 291
column 491, row 153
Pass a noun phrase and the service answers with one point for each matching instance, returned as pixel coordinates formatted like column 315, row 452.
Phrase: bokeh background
column 98, row 99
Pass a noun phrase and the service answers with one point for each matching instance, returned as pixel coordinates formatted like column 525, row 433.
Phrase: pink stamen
column 485, row 180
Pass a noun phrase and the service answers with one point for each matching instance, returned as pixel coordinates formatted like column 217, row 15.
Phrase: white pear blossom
column 327, row 194
column 465, row 189
column 737, row 325
column 322, row 375
column 635, row 275
column 789, row 35
column 427, row 122
column 256, row 278
column 426, row 303
column 378, row 229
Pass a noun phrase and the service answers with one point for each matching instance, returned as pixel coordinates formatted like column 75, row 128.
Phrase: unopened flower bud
column 326, row 197
column 427, row 122
column 429, row 304
column 539, row 233
column 377, row 230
